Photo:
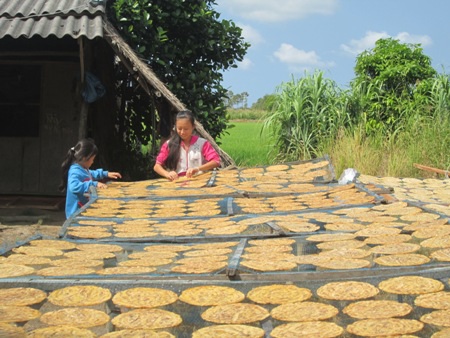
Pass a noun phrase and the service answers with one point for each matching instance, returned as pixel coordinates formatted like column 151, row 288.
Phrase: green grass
column 245, row 145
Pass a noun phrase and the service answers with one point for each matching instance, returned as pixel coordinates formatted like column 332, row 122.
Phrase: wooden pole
column 82, row 126
column 431, row 169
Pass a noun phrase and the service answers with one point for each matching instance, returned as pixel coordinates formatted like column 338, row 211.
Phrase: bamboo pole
column 431, row 169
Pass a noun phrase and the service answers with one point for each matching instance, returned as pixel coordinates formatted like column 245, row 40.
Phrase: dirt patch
column 19, row 225
column 11, row 234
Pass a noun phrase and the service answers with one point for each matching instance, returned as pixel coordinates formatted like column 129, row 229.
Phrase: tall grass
column 305, row 113
column 246, row 145
column 425, row 143
column 351, row 149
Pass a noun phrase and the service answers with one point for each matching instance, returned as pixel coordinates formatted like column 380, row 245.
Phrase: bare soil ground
column 19, row 225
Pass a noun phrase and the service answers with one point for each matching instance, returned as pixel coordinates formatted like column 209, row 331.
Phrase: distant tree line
column 236, row 101
column 240, row 101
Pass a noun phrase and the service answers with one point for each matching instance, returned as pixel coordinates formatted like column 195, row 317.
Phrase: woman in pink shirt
column 185, row 153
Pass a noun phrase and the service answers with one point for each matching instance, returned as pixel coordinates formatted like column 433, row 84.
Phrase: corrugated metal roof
column 28, row 18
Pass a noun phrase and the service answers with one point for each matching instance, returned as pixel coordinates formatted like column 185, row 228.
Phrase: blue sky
column 290, row 37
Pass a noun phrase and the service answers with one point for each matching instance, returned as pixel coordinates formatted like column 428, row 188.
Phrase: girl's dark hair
column 83, row 150
column 175, row 140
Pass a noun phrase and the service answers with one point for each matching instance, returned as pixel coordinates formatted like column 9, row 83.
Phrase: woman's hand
column 172, row 175
column 192, row 171
column 101, row 185
column 114, row 175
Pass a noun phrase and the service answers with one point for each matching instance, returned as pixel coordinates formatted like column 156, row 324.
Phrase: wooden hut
column 46, row 48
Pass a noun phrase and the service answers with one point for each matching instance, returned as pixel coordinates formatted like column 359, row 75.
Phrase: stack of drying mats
column 274, row 251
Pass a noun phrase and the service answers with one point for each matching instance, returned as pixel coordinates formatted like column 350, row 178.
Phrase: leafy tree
column 188, row 47
column 228, row 99
column 236, row 101
column 265, row 103
column 241, row 100
column 389, row 74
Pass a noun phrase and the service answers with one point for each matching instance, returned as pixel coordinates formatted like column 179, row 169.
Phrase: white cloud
column 405, row 37
column 291, row 55
column 274, row 11
column 245, row 64
column 298, row 59
column 251, row 35
column 355, row 47
column 367, row 42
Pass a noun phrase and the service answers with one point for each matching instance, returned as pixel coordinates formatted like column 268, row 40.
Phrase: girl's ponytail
column 83, row 150
column 70, row 157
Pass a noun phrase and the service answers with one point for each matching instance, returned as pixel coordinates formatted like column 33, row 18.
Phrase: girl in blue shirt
column 77, row 177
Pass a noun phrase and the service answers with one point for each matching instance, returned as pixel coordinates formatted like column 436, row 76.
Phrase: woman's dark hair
column 83, row 150
column 175, row 140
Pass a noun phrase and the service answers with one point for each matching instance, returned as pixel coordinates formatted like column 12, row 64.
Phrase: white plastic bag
column 349, row 175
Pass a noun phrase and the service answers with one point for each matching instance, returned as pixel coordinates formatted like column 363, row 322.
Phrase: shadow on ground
column 24, row 218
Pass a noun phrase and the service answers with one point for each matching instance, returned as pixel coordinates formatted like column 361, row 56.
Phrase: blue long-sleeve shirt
column 78, row 182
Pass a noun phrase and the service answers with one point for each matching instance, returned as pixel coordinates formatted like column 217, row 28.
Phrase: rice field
column 245, row 144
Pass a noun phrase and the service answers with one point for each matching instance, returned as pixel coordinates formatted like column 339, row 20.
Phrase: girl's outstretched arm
column 115, row 175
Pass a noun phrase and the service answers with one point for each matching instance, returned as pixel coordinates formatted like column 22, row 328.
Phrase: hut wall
column 32, row 145
column 59, row 121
